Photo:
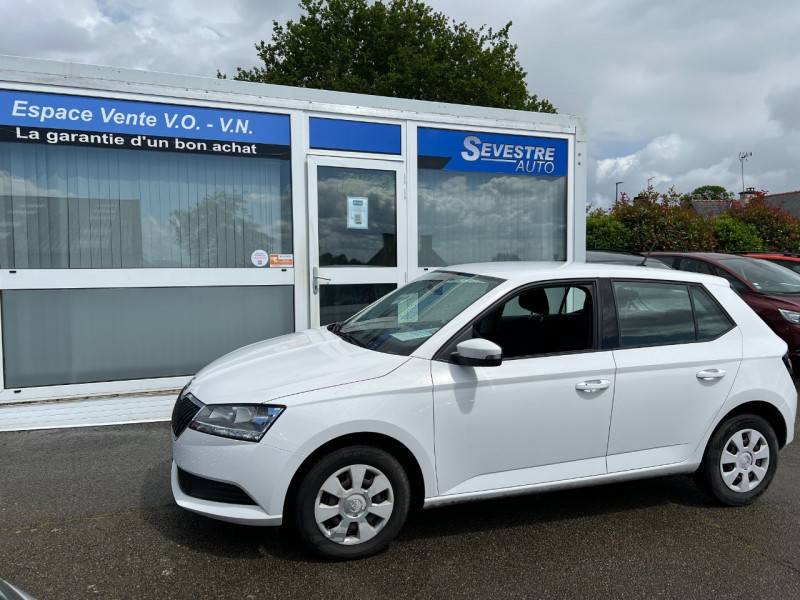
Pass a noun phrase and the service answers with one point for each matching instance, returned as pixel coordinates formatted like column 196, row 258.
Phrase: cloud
column 672, row 90
column 783, row 106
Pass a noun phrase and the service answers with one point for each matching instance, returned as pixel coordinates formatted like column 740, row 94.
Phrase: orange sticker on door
column 281, row 260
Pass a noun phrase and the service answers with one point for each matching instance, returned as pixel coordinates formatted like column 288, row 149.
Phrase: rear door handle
column 592, row 386
column 709, row 374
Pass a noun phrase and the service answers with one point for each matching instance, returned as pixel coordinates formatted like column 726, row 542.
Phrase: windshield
column 764, row 275
column 401, row 322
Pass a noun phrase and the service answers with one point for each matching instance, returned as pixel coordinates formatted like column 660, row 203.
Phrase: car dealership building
column 150, row 223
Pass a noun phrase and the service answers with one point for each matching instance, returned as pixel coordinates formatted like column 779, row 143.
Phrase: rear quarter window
column 712, row 321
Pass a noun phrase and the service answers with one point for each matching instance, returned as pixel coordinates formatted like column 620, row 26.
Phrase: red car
column 772, row 291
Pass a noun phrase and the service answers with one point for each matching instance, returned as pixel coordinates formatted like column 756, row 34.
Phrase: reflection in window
column 712, row 322
column 480, row 217
column 654, row 314
column 357, row 217
column 340, row 302
column 89, row 208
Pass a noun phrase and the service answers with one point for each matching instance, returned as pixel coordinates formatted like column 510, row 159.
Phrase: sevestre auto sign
column 491, row 153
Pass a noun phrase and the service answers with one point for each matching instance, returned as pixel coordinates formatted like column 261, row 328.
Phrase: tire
column 740, row 460
column 341, row 519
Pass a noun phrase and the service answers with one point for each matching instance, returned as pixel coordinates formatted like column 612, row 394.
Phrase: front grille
column 208, row 489
column 185, row 409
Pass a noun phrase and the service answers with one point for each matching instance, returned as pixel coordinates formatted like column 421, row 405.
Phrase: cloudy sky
column 672, row 90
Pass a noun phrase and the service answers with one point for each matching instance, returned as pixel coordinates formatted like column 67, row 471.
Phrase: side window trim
column 608, row 326
column 690, row 286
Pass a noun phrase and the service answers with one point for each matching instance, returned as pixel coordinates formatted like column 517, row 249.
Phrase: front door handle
column 709, row 374
column 315, row 284
column 593, row 386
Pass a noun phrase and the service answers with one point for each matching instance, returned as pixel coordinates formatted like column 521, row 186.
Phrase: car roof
column 777, row 255
column 706, row 255
column 521, row 272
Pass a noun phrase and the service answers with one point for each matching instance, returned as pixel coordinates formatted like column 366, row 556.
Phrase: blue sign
column 491, row 153
column 127, row 117
column 355, row 136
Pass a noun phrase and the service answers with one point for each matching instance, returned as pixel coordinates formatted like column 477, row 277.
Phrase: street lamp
column 743, row 156
column 617, row 190
column 649, row 179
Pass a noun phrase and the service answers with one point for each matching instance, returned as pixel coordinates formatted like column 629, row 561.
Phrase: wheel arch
column 377, row 440
column 766, row 411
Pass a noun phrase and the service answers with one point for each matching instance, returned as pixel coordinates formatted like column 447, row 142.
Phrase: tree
column 402, row 49
column 711, row 192
column 707, row 192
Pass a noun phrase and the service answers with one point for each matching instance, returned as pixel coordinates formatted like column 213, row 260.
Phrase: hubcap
column 354, row 504
column 745, row 460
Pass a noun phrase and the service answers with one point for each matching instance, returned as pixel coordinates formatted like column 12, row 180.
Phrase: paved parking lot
column 87, row 513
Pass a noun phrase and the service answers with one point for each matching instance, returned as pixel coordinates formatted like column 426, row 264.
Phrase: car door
column 677, row 357
column 543, row 414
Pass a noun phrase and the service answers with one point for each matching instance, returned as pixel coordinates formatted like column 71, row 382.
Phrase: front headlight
column 791, row 316
column 248, row 422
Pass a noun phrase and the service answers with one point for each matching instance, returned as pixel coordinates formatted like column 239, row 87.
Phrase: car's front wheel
column 352, row 503
column 740, row 460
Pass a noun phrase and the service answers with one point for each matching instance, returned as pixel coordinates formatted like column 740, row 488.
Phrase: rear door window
column 652, row 314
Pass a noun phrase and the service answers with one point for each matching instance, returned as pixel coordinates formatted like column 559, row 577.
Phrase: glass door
column 357, row 234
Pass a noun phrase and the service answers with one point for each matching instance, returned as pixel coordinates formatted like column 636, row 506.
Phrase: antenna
column 743, row 156
column 646, row 256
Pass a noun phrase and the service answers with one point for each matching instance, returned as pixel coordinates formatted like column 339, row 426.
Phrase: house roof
column 788, row 201
column 716, row 207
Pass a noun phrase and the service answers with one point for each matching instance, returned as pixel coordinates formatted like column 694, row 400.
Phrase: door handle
column 315, row 285
column 709, row 374
column 593, row 386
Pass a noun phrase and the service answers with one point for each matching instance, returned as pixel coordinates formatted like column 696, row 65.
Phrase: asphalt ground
column 88, row 513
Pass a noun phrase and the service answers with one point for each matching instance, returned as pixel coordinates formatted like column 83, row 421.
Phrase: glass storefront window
column 68, row 207
column 479, row 217
column 357, row 217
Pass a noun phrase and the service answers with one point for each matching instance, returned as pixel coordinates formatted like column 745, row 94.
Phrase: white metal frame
column 355, row 274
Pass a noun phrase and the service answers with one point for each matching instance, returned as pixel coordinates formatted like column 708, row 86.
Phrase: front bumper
column 233, row 513
column 259, row 471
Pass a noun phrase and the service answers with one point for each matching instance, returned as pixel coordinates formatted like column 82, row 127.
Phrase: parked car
column 616, row 257
column 772, row 291
column 479, row 381
column 790, row 261
column 10, row 592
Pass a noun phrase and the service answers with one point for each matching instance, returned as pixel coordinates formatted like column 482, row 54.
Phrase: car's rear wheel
column 352, row 503
column 740, row 460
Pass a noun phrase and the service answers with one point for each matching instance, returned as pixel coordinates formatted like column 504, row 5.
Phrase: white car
column 480, row 381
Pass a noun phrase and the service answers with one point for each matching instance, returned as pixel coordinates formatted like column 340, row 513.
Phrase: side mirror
column 478, row 353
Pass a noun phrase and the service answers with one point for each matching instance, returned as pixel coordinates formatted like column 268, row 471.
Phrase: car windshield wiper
column 348, row 337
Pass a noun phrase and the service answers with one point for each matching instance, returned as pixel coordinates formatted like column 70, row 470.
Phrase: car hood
column 289, row 365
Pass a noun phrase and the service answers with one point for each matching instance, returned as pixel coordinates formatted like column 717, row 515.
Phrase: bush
column 603, row 231
column 778, row 230
column 733, row 235
column 662, row 223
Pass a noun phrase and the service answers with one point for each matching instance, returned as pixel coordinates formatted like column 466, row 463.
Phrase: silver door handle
column 315, row 284
column 709, row 374
column 592, row 386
